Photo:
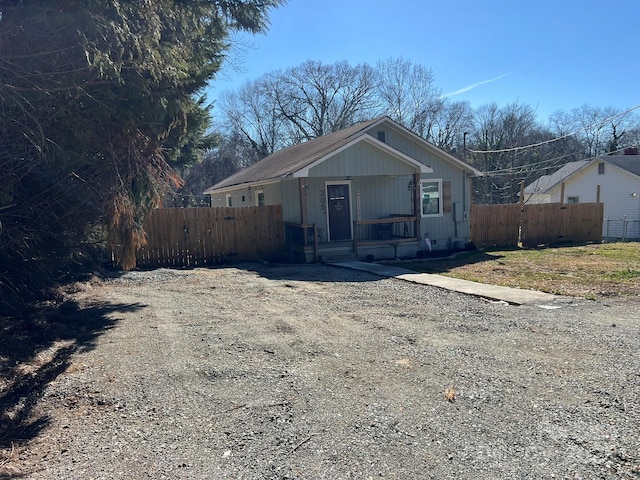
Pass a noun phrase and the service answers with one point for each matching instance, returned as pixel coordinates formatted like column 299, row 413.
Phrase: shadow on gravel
column 310, row 272
column 34, row 349
column 443, row 265
column 438, row 262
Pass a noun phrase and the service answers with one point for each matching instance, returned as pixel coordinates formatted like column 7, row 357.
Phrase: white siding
column 617, row 187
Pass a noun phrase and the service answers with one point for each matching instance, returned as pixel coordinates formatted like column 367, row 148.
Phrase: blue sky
column 547, row 54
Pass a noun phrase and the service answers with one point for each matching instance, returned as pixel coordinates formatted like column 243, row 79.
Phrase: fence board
column 188, row 237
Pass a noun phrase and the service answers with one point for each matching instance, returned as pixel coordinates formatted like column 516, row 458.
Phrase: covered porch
column 381, row 238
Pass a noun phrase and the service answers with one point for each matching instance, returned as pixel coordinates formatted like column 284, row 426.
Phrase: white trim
column 228, row 200
column 440, row 198
column 240, row 186
column 365, row 137
column 326, row 193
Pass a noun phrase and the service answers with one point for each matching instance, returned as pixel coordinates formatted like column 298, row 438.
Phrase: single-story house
column 613, row 180
column 373, row 190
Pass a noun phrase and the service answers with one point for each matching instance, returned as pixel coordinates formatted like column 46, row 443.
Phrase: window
column 573, row 199
column 381, row 136
column 431, row 195
column 229, row 202
column 260, row 198
column 601, row 169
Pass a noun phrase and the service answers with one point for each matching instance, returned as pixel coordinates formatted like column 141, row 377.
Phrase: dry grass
column 591, row 271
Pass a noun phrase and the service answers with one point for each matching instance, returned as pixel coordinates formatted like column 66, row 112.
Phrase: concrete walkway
column 514, row 296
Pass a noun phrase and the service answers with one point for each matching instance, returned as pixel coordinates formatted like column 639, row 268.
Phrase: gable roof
column 547, row 182
column 630, row 163
column 298, row 159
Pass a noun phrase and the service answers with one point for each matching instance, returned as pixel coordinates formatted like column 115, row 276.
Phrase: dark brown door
column 339, row 211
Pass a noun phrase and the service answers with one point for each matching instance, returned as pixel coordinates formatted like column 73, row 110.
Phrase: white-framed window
column 431, row 199
column 259, row 198
column 573, row 199
column 601, row 168
column 229, row 201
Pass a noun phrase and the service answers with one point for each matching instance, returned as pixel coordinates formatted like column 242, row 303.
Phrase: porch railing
column 384, row 230
column 304, row 238
column 392, row 230
column 300, row 238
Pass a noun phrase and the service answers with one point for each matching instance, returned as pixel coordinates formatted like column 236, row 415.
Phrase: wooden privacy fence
column 189, row 237
column 536, row 224
column 495, row 225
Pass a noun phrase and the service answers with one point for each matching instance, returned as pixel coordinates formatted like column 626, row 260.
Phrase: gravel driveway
column 316, row 372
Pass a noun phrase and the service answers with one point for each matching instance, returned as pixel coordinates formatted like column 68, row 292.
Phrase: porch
column 307, row 243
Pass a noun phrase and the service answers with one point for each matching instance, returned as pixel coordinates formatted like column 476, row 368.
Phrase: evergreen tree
column 100, row 101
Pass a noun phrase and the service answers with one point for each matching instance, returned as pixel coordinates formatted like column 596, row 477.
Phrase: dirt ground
column 316, row 372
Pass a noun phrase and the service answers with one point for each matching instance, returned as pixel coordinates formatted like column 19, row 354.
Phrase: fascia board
column 239, row 186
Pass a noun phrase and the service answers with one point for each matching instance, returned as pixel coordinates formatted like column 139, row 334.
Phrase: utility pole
column 464, row 146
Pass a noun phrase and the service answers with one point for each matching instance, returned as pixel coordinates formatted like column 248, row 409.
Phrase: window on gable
column 431, row 197
column 601, row 168
column 381, row 136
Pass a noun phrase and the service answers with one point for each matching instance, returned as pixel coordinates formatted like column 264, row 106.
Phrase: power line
column 523, row 168
column 520, row 167
column 515, row 149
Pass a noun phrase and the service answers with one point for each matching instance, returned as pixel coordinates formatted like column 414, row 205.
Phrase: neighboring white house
column 615, row 178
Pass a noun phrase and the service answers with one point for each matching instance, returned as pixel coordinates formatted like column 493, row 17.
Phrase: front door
column 339, row 212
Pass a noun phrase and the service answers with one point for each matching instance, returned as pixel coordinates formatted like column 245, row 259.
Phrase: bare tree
column 316, row 99
column 497, row 134
column 449, row 126
column 599, row 130
column 409, row 96
column 252, row 112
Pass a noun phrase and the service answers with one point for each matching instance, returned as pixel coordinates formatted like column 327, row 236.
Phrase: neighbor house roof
column 544, row 184
column 630, row 163
column 296, row 160
column 547, row 182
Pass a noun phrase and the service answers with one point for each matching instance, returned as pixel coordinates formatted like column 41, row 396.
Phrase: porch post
column 302, row 190
column 416, row 205
column 355, row 238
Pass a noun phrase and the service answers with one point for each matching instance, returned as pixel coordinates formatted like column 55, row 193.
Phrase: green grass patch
column 591, row 271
